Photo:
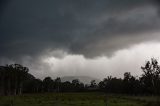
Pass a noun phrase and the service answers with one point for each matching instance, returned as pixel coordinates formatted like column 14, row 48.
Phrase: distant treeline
column 15, row 80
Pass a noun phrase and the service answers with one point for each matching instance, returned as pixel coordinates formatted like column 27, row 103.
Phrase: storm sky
column 94, row 38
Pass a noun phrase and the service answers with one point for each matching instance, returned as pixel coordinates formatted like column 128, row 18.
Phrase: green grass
column 77, row 99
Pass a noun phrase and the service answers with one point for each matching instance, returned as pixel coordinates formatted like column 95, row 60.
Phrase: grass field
column 78, row 99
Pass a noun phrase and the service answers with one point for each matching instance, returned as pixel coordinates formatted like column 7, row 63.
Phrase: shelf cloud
column 79, row 37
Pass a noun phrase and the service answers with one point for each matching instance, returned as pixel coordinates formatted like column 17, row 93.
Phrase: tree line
column 15, row 79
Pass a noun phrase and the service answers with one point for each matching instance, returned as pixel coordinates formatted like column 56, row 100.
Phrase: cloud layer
column 90, row 28
column 95, row 38
column 125, row 60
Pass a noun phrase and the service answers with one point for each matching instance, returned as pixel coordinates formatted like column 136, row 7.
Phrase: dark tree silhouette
column 151, row 76
column 130, row 84
column 48, row 84
column 12, row 78
column 15, row 79
column 93, row 84
column 58, row 84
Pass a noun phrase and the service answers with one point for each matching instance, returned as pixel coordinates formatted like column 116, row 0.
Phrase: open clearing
column 78, row 99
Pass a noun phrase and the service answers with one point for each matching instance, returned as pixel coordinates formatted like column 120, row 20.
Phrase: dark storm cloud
column 3, row 4
column 29, row 27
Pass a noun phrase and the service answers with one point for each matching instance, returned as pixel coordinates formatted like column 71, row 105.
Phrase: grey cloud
column 30, row 27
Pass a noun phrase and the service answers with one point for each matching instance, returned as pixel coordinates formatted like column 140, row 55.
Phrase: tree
column 93, row 84
column 66, row 87
column 57, row 83
column 48, row 84
column 33, row 85
column 75, row 84
column 111, row 85
column 12, row 78
column 20, row 76
column 151, row 76
column 2, row 80
column 130, row 84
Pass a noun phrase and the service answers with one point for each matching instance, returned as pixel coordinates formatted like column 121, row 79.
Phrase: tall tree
column 57, row 84
column 151, row 76
column 48, row 84
column 130, row 83
column 93, row 84
column 12, row 78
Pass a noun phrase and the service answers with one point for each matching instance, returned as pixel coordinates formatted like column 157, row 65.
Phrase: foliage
column 15, row 79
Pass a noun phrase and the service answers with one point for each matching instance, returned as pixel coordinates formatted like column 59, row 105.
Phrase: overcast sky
column 94, row 38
